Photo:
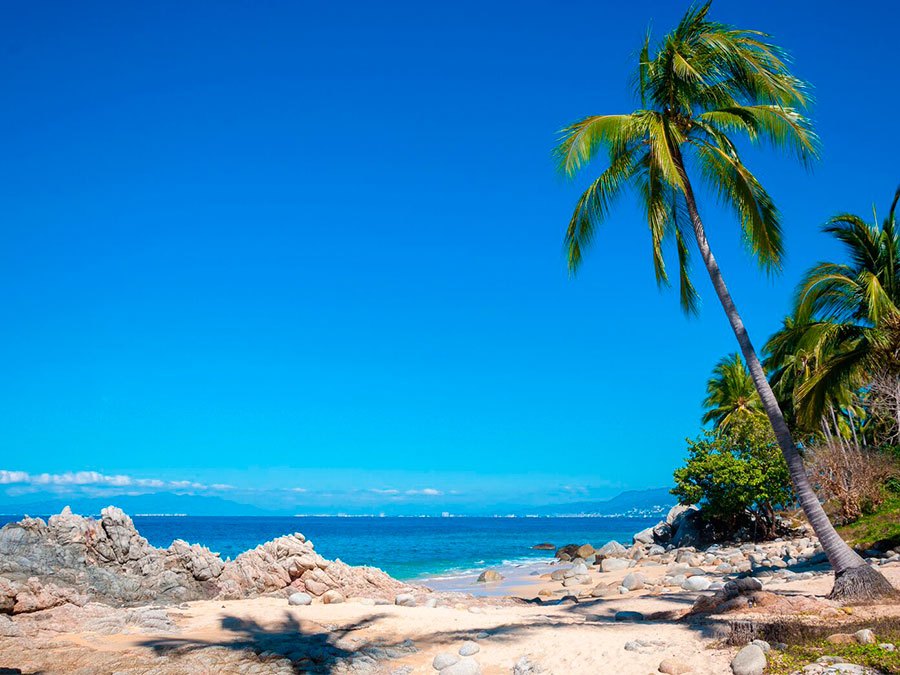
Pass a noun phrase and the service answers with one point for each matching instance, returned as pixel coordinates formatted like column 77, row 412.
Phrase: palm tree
column 855, row 313
column 731, row 397
column 793, row 353
column 702, row 83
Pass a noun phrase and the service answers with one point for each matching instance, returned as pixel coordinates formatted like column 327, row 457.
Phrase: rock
column 584, row 551
column 613, row 564
column 431, row 602
column 629, row 616
column 611, row 549
column 673, row 667
column 676, row 514
column 405, row 600
column 645, row 646
column 299, row 599
column 579, row 580
column 72, row 559
column 444, row 660
column 463, row 667
column 696, row 583
column 744, row 585
column 687, row 532
column 841, row 639
column 9, row 628
column 489, row 576
column 633, row 581
column 751, row 660
column 469, row 648
column 644, row 537
column 567, row 552
column 579, row 569
column 865, row 637
column 524, row 666
column 662, row 533
column 332, row 597
column 762, row 644
column 546, row 546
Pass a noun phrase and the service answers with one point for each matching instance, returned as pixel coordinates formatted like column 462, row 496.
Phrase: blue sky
column 318, row 247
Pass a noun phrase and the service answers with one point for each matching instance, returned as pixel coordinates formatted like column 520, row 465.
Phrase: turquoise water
column 406, row 548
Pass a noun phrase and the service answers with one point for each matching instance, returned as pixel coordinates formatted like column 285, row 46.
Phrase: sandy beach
column 528, row 623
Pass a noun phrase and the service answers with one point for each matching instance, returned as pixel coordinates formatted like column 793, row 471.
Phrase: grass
column 795, row 657
column 881, row 529
column 807, row 642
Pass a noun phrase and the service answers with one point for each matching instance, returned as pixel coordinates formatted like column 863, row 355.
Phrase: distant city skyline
column 309, row 256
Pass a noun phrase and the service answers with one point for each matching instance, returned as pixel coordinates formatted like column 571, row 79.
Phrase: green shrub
column 734, row 472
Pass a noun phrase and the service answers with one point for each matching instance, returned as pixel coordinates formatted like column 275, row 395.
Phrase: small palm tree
column 731, row 397
column 854, row 312
column 700, row 85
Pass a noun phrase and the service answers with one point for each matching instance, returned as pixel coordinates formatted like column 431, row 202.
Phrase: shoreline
column 282, row 608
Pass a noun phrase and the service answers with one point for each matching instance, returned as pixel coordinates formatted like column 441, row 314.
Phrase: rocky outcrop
column 73, row 560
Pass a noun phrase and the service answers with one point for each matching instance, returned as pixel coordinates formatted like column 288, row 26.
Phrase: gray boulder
column 751, row 660
column 489, row 576
column 644, row 537
column 633, row 581
column 611, row 549
column 687, row 533
column 444, row 660
column 696, row 583
column 462, row 667
column 300, row 599
column 613, row 564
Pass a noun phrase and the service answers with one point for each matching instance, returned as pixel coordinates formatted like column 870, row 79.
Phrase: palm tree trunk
column 854, row 579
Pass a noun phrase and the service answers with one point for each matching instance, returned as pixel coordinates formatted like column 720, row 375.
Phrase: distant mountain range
column 654, row 500
column 632, row 502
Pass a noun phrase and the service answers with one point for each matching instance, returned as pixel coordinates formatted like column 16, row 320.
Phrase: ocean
column 406, row 548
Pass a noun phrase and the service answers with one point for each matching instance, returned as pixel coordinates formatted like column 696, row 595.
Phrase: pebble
column 299, row 599
column 673, row 667
column 464, row 667
column 645, row 646
column 444, row 660
column 405, row 600
column 469, row 649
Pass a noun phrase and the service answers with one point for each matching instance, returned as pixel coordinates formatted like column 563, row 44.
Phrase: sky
column 309, row 255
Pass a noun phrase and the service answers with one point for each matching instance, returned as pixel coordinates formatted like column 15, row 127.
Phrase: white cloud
column 10, row 477
column 384, row 491
column 94, row 478
column 430, row 492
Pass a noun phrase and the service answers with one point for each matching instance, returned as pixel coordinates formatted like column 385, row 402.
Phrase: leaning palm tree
column 855, row 313
column 731, row 397
column 700, row 85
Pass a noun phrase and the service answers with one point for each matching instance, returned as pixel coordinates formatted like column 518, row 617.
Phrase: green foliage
column 795, row 657
column 731, row 472
column 731, row 396
column 702, row 86
column 845, row 331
